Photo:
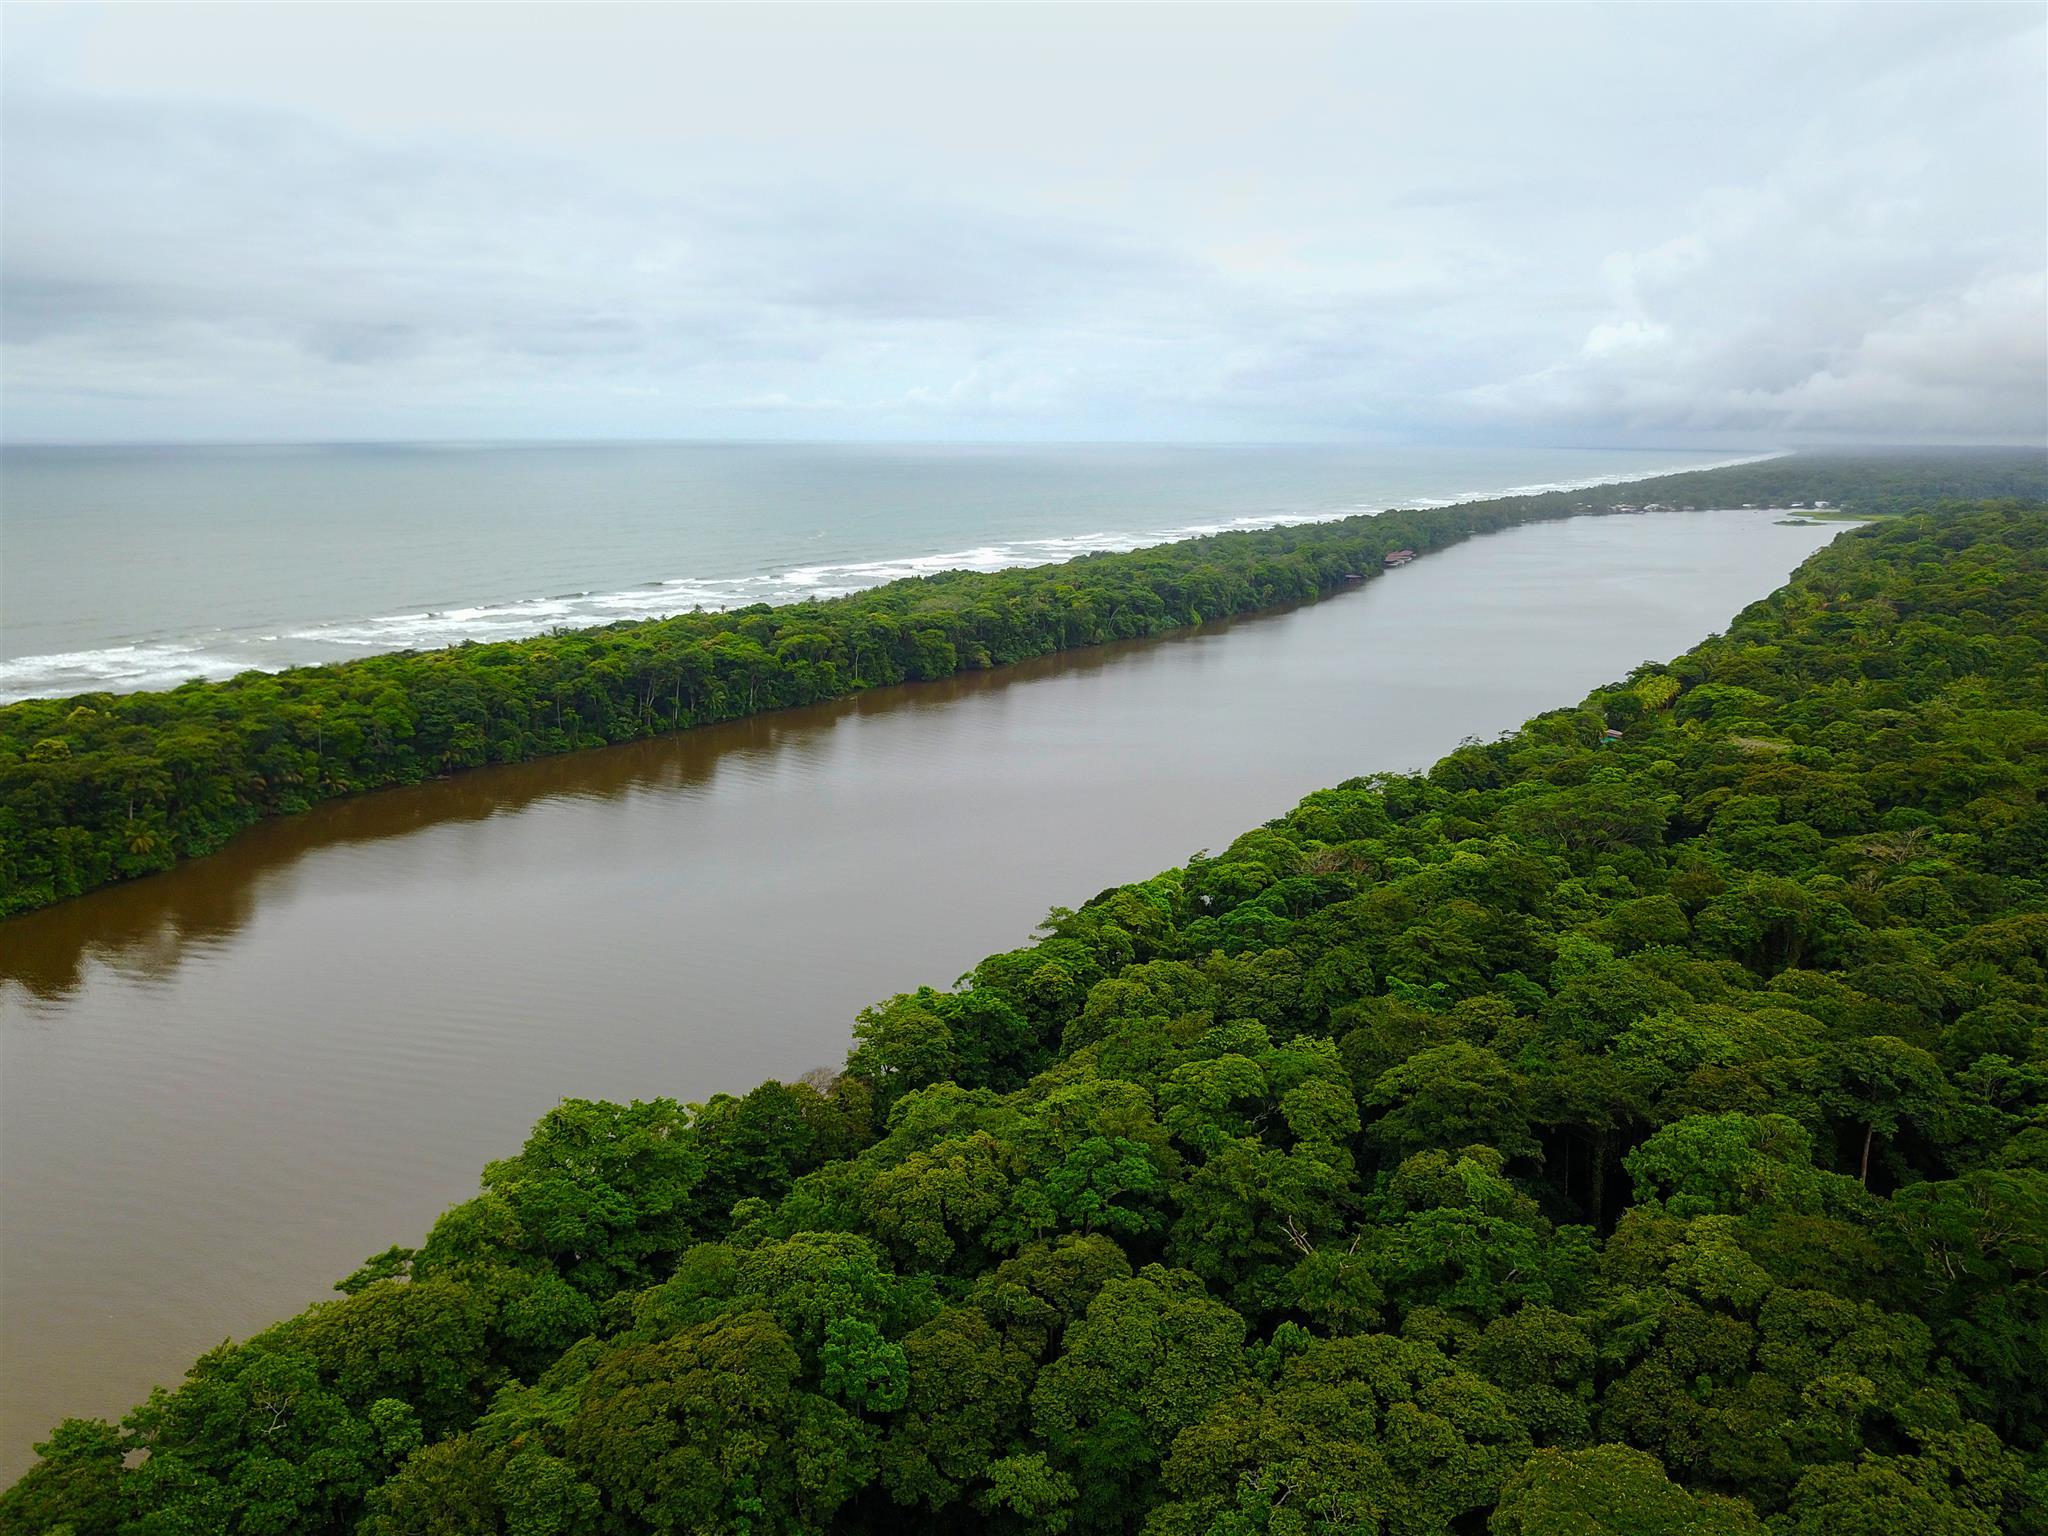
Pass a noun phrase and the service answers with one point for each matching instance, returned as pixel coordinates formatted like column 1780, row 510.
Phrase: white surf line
column 143, row 665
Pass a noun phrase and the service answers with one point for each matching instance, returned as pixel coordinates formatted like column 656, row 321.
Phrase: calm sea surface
column 141, row 567
column 226, row 1085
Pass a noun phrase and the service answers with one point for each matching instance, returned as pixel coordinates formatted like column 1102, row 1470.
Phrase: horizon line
column 1793, row 445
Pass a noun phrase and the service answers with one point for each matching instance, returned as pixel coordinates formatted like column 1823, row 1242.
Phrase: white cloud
column 1883, row 280
column 1571, row 224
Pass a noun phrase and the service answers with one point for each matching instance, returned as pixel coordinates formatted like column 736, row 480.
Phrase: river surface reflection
column 225, row 1085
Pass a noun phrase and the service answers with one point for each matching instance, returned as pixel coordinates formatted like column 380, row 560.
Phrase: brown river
column 222, row 1087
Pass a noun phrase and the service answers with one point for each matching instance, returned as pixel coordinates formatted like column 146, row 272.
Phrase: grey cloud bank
column 1659, row 224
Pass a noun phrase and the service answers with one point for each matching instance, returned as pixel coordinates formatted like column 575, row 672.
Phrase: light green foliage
column 1450, row 1095
column 1729, row 1164
column 861, row 1368
column 74, row 1488
column 1371, row 1433
column 599, row 1195
column 1151, row 1354
column 468, row 1487
column 1610, row 1490
column 965, row 1401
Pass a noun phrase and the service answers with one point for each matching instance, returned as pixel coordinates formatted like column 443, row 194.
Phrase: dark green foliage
column 1644, row 1137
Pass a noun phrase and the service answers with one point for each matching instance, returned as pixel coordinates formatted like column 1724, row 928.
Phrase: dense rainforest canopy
column 104, row 787
column 1641, row 1134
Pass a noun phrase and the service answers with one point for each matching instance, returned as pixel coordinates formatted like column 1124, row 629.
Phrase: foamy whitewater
column 115, row 535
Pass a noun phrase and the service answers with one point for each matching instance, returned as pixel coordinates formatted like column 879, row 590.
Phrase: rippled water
column 226, row 1085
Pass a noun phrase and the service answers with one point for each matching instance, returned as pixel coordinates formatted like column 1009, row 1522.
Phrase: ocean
column 133, row 568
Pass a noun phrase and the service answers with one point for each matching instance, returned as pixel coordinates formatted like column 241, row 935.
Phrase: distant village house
column 1399, row 557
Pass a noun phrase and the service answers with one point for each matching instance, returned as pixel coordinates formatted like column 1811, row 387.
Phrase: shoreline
column 104, row 803
column 154, row 667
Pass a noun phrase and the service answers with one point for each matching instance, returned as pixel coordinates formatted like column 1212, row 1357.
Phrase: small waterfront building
column 1398, row 557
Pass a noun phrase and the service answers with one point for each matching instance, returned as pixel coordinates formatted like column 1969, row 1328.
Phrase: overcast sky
column 1644, row 224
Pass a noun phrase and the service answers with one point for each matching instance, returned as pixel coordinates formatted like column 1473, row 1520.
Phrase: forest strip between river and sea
column 105, row 787
column 1637, row 1124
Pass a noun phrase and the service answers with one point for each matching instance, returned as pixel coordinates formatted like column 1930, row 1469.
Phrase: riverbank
column 373, row 1000
column 236, row 561
column 103, row 788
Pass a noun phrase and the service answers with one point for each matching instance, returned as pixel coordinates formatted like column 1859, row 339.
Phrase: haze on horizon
column 1684, row 226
